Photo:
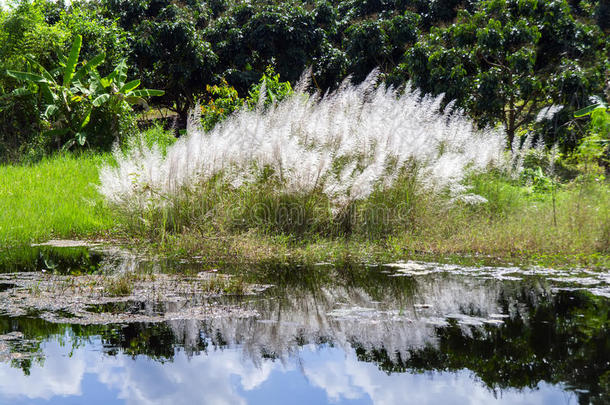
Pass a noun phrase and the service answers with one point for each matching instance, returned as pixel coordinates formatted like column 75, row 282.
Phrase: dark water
column 413, row 333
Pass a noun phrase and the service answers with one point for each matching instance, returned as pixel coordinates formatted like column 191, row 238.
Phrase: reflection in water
column 344, row 315
column 358, row 335
column 320, row 374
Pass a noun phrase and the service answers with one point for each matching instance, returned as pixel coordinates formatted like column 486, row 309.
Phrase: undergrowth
column 365, row 173
column 515, row 225
column 57, row 198
column 531, row 218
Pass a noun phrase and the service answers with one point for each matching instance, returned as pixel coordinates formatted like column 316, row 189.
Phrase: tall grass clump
column 319, row 159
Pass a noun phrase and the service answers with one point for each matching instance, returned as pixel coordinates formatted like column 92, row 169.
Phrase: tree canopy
column 524, row 64
column 511, row 58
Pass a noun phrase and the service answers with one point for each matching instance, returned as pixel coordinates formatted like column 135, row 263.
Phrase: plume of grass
column 344, row 146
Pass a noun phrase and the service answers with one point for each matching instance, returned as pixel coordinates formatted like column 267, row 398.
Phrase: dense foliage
column 80, row 106
column 509, row 59
column 524, row 64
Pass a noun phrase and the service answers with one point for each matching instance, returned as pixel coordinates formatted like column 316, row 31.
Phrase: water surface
column 405, row 333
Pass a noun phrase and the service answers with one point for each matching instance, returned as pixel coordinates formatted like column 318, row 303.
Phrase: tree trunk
column 181, row 121
column 510, row 125
column 510, row 136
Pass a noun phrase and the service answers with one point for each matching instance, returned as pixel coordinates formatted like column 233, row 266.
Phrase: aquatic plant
column 345, row 144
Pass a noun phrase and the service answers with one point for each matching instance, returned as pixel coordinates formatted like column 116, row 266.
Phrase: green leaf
column 96, row 75
column 86, row 120
column 48, row 96
column 89, row 66
column 80, row 88
column 50, row 110
column 68, row 144
column 81, row 138
column 120, row 73
column 587, row 110
column 127, row 87
column 22, row 91
column 101, row 100
column 60, row 54
column 147, row 93
column 45, row 72
column 26, row 76
column 72, row 60
column 135, row 100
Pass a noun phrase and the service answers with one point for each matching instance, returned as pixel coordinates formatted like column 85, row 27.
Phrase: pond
column 411, row 332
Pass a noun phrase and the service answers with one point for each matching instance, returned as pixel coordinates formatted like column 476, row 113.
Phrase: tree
column 379, row 43
column 100, row 34
column 249, row 37
column 168, row 49
column 510, row 58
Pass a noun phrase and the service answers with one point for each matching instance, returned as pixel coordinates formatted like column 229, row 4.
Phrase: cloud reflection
column 226, row 377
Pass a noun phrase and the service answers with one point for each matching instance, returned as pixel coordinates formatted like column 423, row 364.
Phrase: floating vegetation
column 564, row 278
column 119, row 278
column 71, row 298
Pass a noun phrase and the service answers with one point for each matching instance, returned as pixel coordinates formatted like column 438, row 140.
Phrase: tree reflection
column 438, row 322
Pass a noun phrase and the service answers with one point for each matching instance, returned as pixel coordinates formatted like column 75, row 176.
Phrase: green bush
column 224, row 99
column 275, row 91
column 81, row 108
column 155, row 136
column 18, row 122
column 595, row 147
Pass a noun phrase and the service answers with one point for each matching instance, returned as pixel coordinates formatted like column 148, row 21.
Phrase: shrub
column 595, row 147
column 81, row 107
column 223, row 101
column 18, row 121
column 269, row 84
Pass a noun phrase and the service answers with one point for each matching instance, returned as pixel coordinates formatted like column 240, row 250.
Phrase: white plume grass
column 548, row 113
column 345, row 144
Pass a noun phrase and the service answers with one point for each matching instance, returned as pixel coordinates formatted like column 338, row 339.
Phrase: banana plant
column 71, row 99
column 115, row 85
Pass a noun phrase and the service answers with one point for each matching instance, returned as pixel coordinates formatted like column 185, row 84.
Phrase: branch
column 531, row 97
column 529, row 111
column 496, row 64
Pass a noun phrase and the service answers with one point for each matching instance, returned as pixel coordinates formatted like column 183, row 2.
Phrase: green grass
column 55, row 198
column 517, row 225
